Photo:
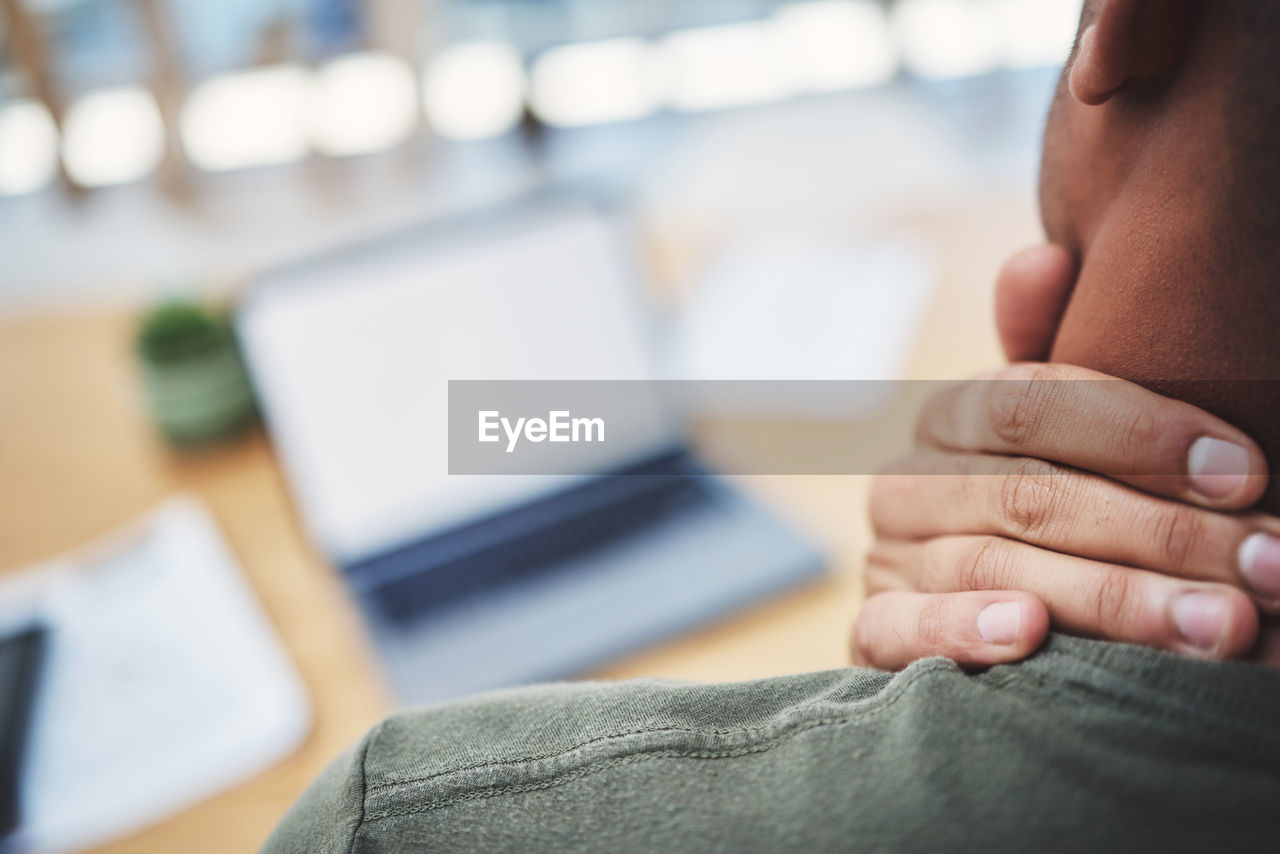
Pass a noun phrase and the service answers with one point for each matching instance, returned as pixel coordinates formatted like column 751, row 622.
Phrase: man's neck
column 1162, row 300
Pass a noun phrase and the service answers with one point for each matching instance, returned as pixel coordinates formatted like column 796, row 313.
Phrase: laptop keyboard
column 409, row 583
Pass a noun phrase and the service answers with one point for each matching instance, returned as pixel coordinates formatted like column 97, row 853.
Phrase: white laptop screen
column 352, row 356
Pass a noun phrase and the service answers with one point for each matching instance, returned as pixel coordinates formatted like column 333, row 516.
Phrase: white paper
column 799, row 306
column 162, row 685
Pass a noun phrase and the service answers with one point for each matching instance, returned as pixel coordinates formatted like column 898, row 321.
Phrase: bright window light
column 1037, row 34
column 28, row 147
column 825, row 45
column 943, row 39
column 723, row 66
column 474, row 90
column 596, row 82
column 112, row 136
column 249, row 118
column 363, row 103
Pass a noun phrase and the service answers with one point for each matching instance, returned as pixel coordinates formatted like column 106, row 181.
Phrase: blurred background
column 156, row 156
column 175, row 143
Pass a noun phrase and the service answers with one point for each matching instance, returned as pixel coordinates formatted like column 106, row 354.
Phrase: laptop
column 473, row 582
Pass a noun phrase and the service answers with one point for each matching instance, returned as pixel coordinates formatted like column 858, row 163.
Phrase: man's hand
column 1047, row 492
column 998, row 517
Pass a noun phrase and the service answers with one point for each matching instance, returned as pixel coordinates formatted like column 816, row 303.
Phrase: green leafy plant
column 178, row 330
column 194, row 378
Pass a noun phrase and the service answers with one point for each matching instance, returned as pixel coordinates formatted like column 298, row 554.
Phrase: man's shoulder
column 444, row 750
column 807, row 762
column 424, row 760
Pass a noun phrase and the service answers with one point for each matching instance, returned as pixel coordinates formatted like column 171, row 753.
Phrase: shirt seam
column 608, row 736
column 364, row 786
column 672, row 728
column 857, row 715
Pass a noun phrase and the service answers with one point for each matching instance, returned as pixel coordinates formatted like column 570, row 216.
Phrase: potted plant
column 194, row 377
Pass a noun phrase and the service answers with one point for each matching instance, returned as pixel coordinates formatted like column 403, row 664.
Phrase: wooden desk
column 78, row 458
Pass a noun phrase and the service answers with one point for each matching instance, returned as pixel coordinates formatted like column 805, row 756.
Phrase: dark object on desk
column 408, row 583
column 569, row 581
column 21, row 655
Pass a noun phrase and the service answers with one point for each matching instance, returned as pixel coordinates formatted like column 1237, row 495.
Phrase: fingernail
column 998, row 622
column 1218, row 469
column 1260, row 564
column 1200, row 618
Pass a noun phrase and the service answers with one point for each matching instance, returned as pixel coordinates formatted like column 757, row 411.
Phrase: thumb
column 1031, row 293
column 975, row 629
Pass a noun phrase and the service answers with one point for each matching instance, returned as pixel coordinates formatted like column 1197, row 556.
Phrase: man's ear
column 1127, row 39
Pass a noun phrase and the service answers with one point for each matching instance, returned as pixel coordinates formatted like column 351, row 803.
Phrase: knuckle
column 1175, row 532
column 1018, row 410
column 1011, row 419
column 1028, row 497
column 932, row 623
column 1134, row 433
column 984, row 565
column 1113, row 599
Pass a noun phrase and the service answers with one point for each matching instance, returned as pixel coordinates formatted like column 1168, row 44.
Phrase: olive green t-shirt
column 1085, row 746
